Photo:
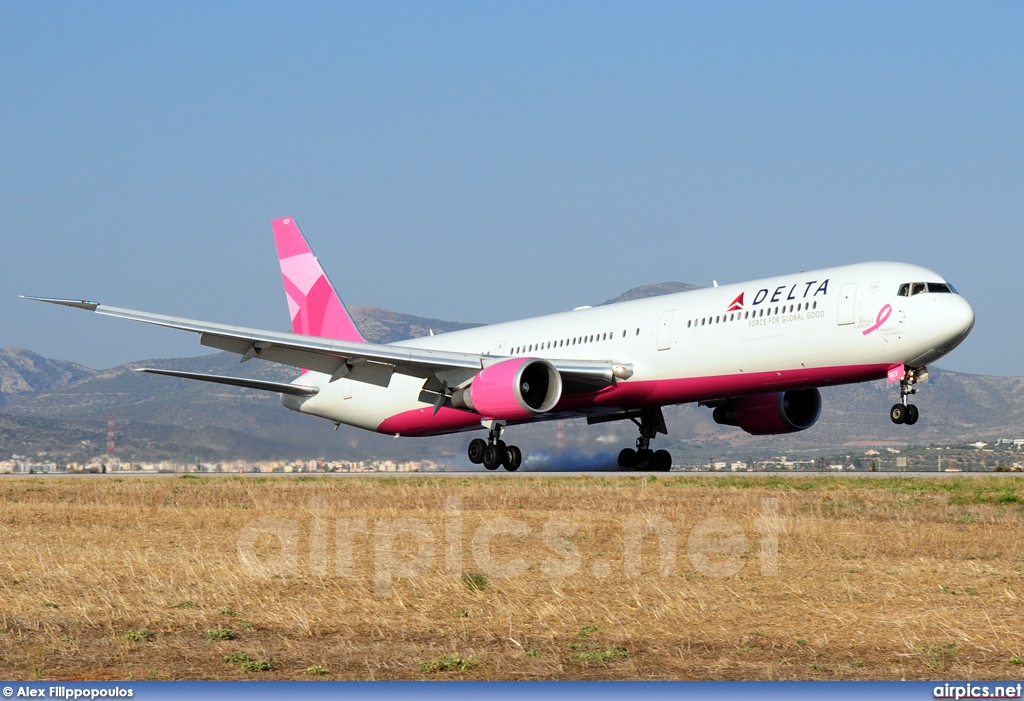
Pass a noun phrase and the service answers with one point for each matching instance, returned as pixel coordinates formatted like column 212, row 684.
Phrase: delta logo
column 781, row 294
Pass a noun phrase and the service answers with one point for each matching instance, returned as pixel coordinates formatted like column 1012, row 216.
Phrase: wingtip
column 78, row 303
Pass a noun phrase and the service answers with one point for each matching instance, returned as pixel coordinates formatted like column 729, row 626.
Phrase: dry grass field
column 501, row 577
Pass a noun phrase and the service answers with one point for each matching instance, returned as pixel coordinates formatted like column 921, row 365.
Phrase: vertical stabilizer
column 314, row 306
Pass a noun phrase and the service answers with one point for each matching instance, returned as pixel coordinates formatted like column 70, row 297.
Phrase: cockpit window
column 909, row 289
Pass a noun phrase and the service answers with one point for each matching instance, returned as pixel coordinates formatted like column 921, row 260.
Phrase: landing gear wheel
column 493, row 456
column 912, row 414
column 513, row 458
column 898, row 414
column 644, row 459
column 662, row 461
column 476, row 450
column 627, row 458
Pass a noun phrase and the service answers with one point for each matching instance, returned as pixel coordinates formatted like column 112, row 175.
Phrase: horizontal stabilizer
column 77, row 303
column 280, row 387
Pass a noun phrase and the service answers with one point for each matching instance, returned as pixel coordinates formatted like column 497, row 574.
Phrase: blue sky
column 484, row 162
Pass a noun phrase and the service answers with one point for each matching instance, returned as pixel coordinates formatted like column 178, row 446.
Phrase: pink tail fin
column 314, row 306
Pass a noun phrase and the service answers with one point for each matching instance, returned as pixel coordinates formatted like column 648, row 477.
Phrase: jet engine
column 512, row 389
column 774, row 412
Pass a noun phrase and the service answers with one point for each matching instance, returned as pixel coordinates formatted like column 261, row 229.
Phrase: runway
column 502, row 474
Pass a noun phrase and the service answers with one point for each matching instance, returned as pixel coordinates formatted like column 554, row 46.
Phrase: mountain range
column 60, row 409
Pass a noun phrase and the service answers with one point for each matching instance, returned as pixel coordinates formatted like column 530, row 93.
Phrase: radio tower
column 110, row 438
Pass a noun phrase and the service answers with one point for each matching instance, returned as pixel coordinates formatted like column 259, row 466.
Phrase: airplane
column 754, row 352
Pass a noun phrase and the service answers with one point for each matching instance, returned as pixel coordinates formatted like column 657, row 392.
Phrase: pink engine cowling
column 771, row 413
column 512, row 389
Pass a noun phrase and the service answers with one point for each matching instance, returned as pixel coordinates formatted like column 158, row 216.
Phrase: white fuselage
column 823, row 327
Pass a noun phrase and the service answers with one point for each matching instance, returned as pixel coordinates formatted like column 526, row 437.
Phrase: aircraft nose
column 958, row 318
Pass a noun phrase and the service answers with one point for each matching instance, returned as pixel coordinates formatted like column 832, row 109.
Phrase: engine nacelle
column 512, row 389
column 774, row 412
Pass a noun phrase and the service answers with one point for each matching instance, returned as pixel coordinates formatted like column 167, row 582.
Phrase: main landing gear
column 651, row 423
column 903, row 412
column 493, row 453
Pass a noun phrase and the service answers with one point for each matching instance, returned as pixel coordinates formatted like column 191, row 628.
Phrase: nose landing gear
column 904, row 412
column 494, row 453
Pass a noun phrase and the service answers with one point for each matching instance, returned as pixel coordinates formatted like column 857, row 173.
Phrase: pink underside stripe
column 653, row 393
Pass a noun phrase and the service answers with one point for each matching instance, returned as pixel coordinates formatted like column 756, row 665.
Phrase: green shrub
column 601, row 655
column 257, row 666
column 448, row 663
column 237, row 658
column 475, row 581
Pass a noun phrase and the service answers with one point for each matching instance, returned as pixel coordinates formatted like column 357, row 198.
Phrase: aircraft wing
column 373, row 363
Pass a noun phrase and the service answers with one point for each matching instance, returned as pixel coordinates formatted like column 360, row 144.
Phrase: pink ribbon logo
column 883, row 315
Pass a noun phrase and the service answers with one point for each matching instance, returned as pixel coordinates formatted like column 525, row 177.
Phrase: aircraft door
column 665, row 329
column 847, row 297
